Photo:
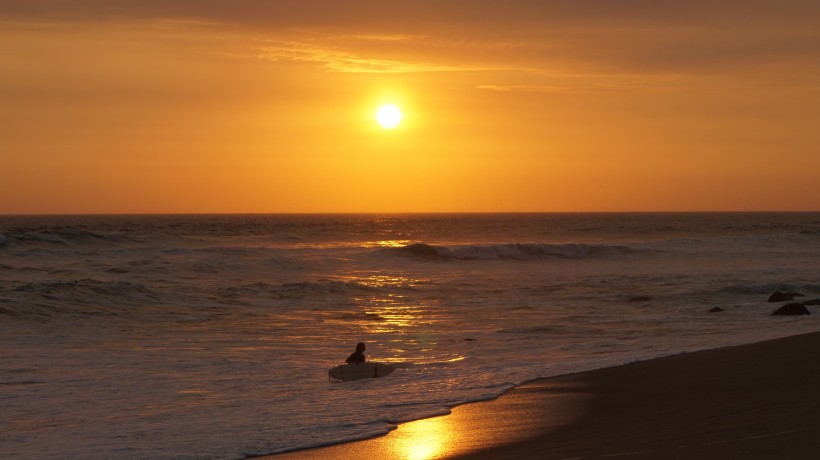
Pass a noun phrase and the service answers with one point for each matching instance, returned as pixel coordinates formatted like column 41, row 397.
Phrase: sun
column 389, row 116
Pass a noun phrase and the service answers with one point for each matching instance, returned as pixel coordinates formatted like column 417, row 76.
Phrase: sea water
column 210, row 337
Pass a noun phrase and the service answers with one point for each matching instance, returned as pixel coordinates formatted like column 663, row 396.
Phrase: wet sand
column 757, row 401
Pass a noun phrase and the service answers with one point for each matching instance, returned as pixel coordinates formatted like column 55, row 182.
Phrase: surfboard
column 358, row 371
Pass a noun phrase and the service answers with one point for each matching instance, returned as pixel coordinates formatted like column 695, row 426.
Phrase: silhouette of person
column 357, row 356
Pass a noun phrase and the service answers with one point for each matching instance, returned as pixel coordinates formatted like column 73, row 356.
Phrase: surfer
column 357, row 369
column 357, row 356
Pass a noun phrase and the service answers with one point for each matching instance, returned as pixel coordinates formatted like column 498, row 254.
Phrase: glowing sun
column 389, row 116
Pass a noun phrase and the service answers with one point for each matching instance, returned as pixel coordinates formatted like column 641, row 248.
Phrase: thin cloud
column 557, row 89
column 524, row 88
column 339, row 60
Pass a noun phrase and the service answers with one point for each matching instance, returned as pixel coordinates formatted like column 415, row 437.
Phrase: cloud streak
column 336, row 59
column 628, row 37
column 557, row 89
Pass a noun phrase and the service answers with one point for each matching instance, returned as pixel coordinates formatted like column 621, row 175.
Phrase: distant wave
column 551, row 330
column 58, row 236
column 763, row 290
column 120, row 289
column 514, row 251
column 810, row 233
column 297, row 290
column 767, row 240
column 81, row 297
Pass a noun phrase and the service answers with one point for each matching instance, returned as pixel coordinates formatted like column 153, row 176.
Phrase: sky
column 257, row 106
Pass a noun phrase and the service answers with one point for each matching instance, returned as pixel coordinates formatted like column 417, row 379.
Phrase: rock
column 715, row 310
column 812, row 302
column 638, row 298
column 784, row 296
column 791, row 309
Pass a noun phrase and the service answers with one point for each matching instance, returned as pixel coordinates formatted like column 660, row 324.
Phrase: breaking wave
column 513, row 251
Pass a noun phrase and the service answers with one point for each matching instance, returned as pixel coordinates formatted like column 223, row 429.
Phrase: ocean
column 210, row 336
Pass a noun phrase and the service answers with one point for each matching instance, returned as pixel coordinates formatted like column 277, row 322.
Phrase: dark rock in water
column 638, row 298
column 791, row 309
column 812, row 302
column 784, row 296
column 716, row 310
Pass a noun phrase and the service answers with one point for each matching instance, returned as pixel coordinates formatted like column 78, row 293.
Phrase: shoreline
column 755, row 400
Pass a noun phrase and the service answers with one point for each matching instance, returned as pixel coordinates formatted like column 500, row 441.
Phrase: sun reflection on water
column 387, row 244
column 377, row 281
column 392, row 312
column 391, row 317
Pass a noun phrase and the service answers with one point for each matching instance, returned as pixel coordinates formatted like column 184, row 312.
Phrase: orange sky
column 150, row 106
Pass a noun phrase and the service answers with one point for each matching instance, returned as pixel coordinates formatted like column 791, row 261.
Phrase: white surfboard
column 358, row 371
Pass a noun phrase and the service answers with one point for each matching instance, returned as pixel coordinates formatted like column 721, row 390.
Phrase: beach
column 756, row 401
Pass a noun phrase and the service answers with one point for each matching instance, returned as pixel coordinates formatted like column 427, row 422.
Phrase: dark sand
column 758, row 401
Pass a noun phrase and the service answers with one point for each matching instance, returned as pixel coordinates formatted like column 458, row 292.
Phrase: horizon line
column 351, row 213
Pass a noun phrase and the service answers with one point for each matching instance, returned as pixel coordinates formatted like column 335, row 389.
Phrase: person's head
column 360, row 346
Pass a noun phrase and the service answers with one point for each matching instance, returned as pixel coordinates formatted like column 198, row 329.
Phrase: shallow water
column 211, row 336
